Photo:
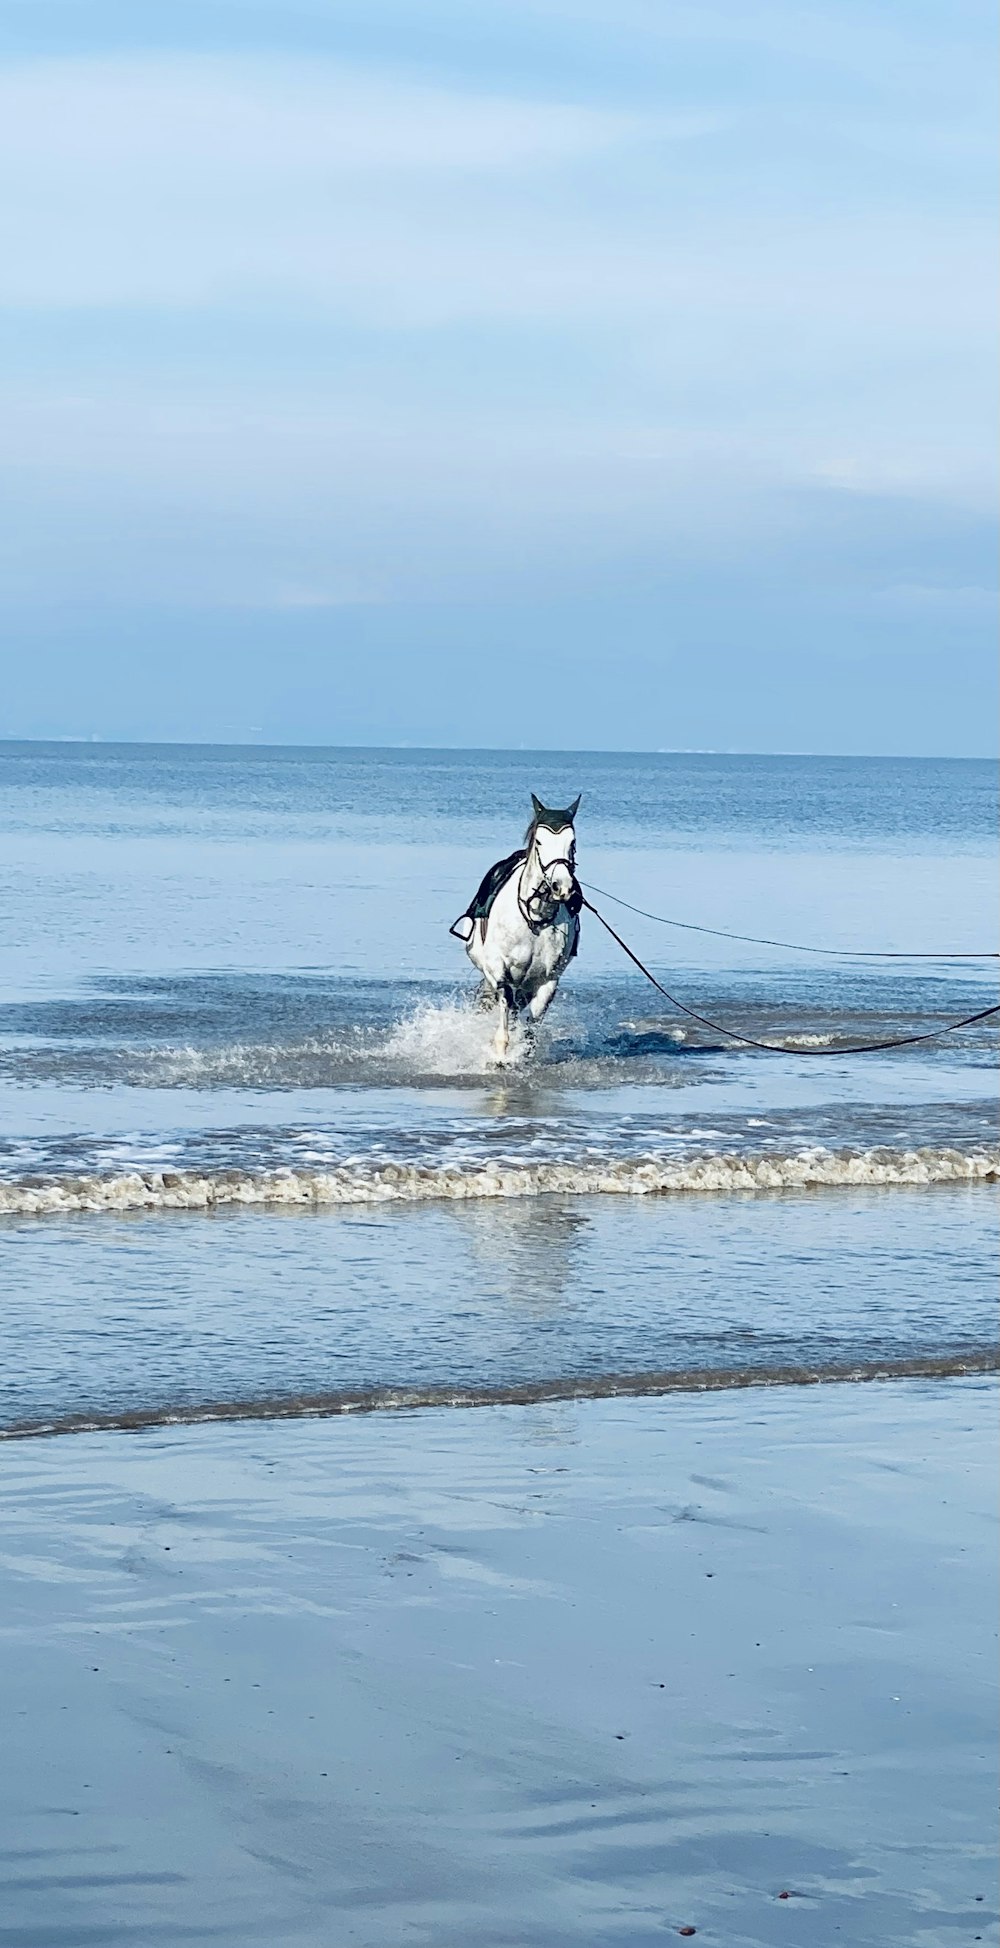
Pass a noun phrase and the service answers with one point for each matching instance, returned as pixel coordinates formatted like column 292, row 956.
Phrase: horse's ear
column 574, row 808
column 537, row 806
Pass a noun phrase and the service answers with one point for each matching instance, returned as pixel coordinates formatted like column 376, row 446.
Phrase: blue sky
column 549, row 372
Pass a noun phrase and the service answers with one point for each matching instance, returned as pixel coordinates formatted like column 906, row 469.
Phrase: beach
column 444, row 1505
column 590, row 1672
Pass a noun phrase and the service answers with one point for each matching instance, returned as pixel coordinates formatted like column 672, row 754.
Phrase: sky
column 557, row 373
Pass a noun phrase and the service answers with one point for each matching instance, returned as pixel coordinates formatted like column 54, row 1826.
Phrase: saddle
column 481, row 904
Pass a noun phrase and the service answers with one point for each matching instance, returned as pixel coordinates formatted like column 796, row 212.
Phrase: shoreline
column 979, row 1362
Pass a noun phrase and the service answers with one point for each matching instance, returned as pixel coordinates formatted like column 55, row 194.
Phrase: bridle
column 543, row 895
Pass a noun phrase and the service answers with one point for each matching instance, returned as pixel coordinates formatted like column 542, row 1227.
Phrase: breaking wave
column 387, row 1182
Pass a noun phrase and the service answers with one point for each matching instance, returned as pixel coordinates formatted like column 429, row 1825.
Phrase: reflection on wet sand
column 597, row 1673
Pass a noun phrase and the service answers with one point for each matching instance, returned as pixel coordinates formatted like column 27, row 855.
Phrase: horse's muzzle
column 559, row 880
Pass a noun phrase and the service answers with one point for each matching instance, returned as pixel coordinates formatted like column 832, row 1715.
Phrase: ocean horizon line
column 11, row 742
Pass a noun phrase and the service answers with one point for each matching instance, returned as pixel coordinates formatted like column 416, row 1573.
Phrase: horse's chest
column 539, row 957
column 552, row 948
column 508, row 950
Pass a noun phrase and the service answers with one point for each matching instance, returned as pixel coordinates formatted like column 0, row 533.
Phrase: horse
column 522, row 929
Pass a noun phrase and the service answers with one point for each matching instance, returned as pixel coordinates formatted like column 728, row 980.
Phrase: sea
column 255, row 1157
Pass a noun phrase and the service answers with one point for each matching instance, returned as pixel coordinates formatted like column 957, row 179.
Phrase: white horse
column 523, row 927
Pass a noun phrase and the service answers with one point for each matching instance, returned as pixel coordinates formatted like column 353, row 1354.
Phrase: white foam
column 240, row 1063
column 655, row 1025
column 407, row 1183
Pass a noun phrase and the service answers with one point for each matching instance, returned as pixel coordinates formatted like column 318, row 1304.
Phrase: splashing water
column 452, row 1039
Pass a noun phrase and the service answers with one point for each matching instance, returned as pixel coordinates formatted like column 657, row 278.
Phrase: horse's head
column 552, row 839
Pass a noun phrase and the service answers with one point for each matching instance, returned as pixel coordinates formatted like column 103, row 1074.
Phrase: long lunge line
column 784, row 1048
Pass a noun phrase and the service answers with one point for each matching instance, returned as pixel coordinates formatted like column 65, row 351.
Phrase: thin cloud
column 195, row 181
column 264, row 120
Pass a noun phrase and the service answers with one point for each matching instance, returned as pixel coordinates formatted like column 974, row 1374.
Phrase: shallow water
column 230, row 989
column 118, row 1318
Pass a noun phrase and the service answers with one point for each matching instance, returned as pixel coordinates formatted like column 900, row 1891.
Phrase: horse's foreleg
column 501, row 1040
column 541, row 1000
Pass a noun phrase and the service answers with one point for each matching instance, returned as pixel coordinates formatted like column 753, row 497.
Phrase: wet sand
column 577, row 1672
